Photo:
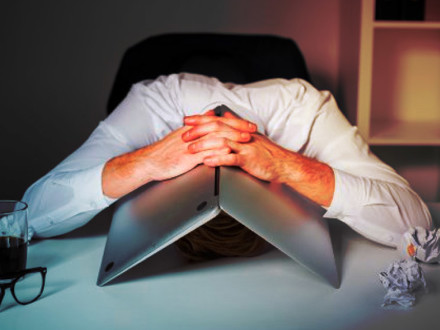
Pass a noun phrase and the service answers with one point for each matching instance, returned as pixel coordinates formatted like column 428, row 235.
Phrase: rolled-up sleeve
column 369, row 195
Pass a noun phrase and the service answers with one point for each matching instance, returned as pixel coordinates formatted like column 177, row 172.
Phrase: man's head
column 221, row 237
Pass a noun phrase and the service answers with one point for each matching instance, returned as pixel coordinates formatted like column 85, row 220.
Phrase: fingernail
column 252, row 126
column 244, row 135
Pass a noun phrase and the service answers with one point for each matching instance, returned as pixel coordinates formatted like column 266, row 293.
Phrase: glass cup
column 13, row 237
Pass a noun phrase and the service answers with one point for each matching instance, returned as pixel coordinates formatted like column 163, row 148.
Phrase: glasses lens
column 28, row 287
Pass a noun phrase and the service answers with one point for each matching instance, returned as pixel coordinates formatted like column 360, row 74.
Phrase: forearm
column 311, row 178
column 125, row 173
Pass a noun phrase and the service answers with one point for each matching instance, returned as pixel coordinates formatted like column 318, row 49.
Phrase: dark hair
column 222, row 236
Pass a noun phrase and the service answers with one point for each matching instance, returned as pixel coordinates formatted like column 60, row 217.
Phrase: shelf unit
column 398, row 99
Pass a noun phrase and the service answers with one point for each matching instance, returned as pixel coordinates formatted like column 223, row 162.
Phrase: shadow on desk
column 170, row 261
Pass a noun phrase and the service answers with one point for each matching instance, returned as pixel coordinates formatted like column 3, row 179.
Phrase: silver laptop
column 160, row 213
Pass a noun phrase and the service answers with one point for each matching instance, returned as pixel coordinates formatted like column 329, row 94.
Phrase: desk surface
column 266, row 292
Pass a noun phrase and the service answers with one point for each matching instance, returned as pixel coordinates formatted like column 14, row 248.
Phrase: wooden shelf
column 399, row 80
column 391, row 75
column 404, row 133
column 406, row 25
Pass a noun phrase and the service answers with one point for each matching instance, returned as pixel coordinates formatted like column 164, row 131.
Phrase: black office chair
column 230, row 58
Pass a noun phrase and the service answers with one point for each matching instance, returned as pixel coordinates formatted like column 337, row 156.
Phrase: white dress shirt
column 369, row 195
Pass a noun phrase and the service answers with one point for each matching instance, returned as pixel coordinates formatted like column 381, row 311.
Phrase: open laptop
column 160, row 213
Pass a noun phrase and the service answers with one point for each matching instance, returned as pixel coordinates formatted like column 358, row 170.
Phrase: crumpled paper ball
column 422, row 244
column 402, row 280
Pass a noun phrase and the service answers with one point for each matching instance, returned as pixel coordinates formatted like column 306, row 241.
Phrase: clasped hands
column 217, row 141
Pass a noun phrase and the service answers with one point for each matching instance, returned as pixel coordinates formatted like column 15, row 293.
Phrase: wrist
column 143, row 167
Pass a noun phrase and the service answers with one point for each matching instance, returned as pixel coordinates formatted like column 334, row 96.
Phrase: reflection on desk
column 165, row 292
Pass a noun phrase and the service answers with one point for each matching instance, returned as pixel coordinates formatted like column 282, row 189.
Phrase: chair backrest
column 230, row 58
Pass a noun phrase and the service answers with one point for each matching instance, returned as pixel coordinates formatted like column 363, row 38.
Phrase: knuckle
column 240, row 136
column 212, row 161
column 195, row 146
column 237, row 159
column 191, row 133
column 187, row 134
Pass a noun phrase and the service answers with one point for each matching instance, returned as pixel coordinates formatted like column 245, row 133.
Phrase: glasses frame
column 15, row 277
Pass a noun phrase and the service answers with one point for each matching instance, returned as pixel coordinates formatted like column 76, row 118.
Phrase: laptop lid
column 155, row 216
column 283, row 217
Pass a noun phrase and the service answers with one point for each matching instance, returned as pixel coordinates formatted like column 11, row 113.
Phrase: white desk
column 266, row 292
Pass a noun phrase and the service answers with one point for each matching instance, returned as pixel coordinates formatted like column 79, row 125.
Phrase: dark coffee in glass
column 13, row 254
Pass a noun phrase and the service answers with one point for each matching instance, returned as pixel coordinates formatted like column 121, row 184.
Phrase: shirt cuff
column 343, row 188
column 109, row 200
column 89, row 190
column 347, row 206
column 80, row 192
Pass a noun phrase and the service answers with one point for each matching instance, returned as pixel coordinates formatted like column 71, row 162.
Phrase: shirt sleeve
column 71, row 194
column 369, row 195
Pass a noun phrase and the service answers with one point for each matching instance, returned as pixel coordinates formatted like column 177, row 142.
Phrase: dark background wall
column 58, row 60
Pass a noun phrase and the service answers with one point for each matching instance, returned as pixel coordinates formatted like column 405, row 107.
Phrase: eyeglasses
column 26, row 285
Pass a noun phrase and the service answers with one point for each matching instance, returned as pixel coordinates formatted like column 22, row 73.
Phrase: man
column 302, row 141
